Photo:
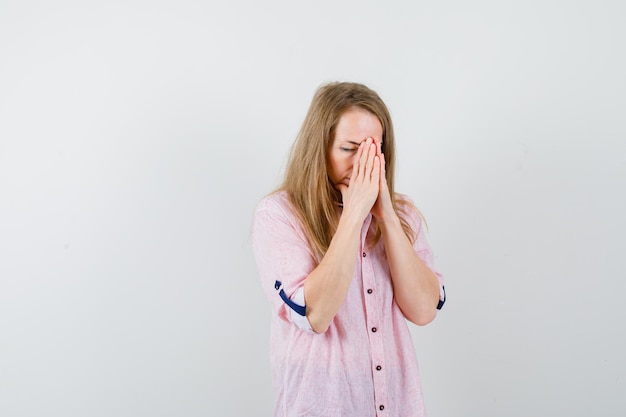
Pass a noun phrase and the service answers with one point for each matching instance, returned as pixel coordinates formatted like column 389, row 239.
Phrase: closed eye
column 348, row 149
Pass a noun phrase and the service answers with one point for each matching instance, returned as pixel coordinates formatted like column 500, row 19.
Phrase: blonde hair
column 306, row 182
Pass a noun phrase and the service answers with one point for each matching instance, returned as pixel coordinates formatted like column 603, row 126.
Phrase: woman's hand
column 360, row 196
column 383, row 207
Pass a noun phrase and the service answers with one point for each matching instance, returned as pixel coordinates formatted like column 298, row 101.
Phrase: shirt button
column 369, row 291
column 374, row 329
column 381, row 408
column 364, row 254
column 378, row 368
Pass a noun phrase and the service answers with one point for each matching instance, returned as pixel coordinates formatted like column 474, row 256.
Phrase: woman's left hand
column 383, row 207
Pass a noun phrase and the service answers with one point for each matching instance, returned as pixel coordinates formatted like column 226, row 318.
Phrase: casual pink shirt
column 364, row 364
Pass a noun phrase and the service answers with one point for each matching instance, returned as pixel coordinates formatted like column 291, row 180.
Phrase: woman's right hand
column 359, row 197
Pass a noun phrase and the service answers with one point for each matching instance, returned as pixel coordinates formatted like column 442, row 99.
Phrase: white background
column 137, row 137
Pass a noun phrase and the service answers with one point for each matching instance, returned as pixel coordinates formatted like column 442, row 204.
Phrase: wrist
column 351, row 220
column 354, row 213
column 389, row 221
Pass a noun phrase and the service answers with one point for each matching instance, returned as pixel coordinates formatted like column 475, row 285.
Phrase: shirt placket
column 373, row 322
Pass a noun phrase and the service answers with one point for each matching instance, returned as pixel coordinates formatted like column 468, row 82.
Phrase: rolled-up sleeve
column 284, row 261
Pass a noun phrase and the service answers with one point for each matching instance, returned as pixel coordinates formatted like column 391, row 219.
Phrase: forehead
column 356, row 125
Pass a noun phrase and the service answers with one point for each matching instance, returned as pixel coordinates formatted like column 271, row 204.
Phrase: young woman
column 344, row 262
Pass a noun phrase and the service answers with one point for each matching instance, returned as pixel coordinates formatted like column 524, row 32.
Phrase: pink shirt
column 364, row 364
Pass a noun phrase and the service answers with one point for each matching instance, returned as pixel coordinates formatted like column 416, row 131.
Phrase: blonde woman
column 344, row 262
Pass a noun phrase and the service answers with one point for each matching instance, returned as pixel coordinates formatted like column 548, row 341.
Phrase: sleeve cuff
column 296, row 308
column 442, row 297
column 300, row 321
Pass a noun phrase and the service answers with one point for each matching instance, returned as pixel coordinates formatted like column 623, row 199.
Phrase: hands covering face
column 368, row 190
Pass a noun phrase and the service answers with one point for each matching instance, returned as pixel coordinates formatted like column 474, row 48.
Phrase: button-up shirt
column 364, row 365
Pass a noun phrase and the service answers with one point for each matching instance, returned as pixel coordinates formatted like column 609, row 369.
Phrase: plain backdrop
column 137, row 137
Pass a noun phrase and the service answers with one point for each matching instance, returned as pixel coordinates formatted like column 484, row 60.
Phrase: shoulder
column 409, row 212
column 276, row 206
column 273, row 201
column 275, row 217
column 403, row 198
column 278, row 201
column 406, row 205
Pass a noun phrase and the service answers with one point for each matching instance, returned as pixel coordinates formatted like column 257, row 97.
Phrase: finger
column 356, row 165
column 370, row 165
column 377, row 170
column 383, row 171
column 379, row 146
column 363, row 159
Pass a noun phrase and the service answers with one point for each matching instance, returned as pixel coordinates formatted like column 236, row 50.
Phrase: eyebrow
column 351, row 142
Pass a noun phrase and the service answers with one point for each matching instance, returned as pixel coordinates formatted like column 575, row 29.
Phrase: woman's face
column 354, row 127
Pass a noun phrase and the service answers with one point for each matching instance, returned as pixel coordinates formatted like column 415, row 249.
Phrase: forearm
column 326, row 287
column 415, row 286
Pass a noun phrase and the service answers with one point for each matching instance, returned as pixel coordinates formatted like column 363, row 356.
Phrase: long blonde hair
column 306, row 182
